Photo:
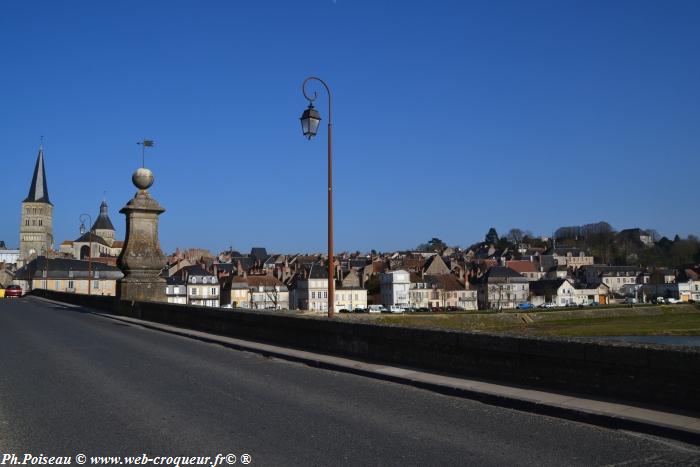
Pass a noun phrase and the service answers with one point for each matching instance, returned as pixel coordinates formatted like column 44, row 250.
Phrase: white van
column 376, row 308
column 396, row 309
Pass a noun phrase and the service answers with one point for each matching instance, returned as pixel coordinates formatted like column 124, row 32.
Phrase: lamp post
column 83, row 217
column 309, row 125
column 46, row 266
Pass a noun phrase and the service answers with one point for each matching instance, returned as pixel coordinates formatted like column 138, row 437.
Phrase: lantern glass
column 309, row 121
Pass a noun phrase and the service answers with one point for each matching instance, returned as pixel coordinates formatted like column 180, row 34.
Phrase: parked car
column 672, row 300
column 593, row 304
column 396, row 309
column 359, row 309
column 525, row 306
column 660, row 300
column 546, row 305
column 377, row 309
column 13, row 291
column 343, row 310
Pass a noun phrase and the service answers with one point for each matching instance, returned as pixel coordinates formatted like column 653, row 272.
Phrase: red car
column 13, row 291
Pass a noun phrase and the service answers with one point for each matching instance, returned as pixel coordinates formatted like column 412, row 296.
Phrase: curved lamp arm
column 315, row 95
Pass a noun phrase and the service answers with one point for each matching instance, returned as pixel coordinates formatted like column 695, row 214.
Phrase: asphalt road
column 72, row 382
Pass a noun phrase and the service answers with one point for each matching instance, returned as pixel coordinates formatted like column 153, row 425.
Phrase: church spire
column 38, row 191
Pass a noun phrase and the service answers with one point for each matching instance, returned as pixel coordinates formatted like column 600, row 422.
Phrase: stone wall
column 668, row 376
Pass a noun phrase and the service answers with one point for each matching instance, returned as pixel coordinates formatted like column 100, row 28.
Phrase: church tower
column 36, row 228
column 103, row 225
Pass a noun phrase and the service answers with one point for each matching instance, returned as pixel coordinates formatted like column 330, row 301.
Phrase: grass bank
column 655, row 320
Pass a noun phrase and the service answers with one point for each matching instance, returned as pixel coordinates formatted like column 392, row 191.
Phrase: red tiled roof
column 522, row 266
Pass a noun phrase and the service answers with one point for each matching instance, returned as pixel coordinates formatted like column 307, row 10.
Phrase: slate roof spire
column 103, row 221
column 38, row 191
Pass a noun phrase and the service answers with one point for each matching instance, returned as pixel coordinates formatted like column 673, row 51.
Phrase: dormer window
column 194, row 280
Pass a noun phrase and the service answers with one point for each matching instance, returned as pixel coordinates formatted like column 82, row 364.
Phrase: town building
column 36, row 225
column 559, row 292
column 309, row 290
column 68, row 275
column 349, row 293
column 255, row 292
column 613, row 276
column 529, row 269
column 176, row 289
column 501, row 288
column 395, row 285
column 571, row 258
column 99, row 241
column 202, row 286
column 8, row 255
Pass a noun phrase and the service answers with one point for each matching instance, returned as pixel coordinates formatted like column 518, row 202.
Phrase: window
column 70, row 283
column 41, row 222
column 325, row 294
column 176, row 290
column 213, row 291
column 95, row 285
column 193, row 291
column 57, row 285
column 26, row 221
column 313, row 294
column 194, row 280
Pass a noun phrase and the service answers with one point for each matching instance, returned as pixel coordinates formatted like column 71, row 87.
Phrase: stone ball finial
column 142, row 178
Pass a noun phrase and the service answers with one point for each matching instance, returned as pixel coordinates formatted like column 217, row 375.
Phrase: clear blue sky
column 449, row 116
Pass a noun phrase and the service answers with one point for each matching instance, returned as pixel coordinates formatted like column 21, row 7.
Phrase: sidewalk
column 607, row 414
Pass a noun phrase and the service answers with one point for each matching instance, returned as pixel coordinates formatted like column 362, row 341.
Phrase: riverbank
column 673, row 320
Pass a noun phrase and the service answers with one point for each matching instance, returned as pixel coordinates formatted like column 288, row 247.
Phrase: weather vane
column 146, row 143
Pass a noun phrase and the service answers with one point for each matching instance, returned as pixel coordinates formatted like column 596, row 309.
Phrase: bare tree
column 515, row 235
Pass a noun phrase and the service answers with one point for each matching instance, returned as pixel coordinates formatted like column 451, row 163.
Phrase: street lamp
column 83, row 218
column 310, row 119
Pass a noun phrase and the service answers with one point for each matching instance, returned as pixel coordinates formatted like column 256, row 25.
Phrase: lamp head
column 309, row 121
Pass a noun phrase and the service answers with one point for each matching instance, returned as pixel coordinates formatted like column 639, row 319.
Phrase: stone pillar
column 141, row 259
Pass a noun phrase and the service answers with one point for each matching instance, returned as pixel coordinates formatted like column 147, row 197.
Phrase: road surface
column 75, row 383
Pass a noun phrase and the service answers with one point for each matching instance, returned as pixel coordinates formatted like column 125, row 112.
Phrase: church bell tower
column 36, row 228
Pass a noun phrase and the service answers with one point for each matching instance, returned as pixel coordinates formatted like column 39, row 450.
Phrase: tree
column 437, row 245
column 654, row 234
column 491, row 236
column 515, row 235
